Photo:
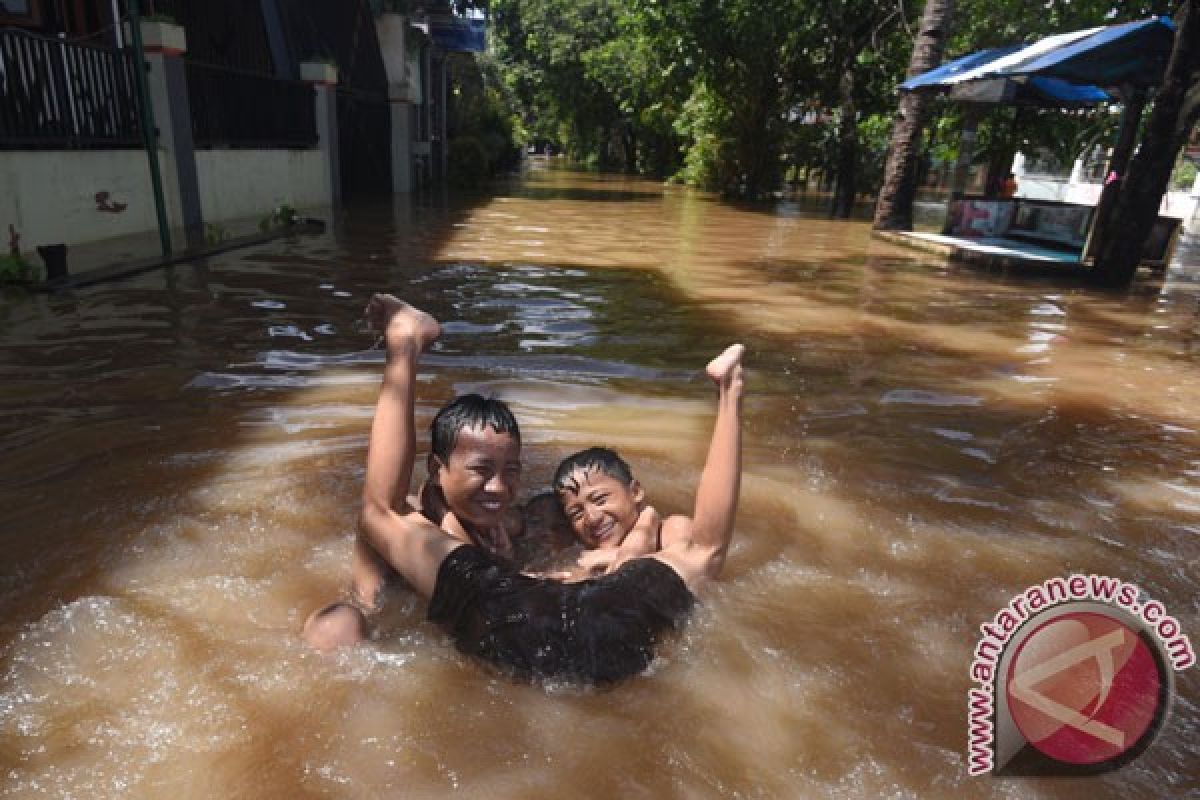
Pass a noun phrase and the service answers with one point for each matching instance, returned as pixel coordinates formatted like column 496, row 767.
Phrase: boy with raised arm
column 595, row 631
column 474, row 474
column 606, row 508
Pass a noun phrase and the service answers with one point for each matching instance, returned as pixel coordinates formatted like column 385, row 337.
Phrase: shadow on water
column 100, row 373
column 908, row 467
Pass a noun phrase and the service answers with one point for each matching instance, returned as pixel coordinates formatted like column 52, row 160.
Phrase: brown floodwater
column 182, row 455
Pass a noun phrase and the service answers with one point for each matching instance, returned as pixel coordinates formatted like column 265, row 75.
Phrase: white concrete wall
column 1087, row 194
column 50, row 195
column 1032, row 188
column 247, row 183
column 1184, row 205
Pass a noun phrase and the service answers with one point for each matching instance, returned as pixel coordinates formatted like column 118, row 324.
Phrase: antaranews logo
column 1075, row 677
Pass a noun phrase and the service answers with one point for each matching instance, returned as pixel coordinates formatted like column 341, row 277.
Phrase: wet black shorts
column 593, row 632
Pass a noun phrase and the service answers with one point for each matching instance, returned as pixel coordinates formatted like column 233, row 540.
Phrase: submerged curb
column 138, row 266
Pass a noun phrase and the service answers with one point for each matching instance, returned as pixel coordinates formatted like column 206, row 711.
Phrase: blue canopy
column 937, row 78
column 459, row 34
column 1066, row 92
column 1067, row 69
column 1134, row 54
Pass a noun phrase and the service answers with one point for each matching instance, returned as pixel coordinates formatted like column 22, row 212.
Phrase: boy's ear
column 432, row 465
column 639, row 494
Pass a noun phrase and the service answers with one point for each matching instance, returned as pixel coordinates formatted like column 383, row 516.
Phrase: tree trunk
column 1176, row 109
column 630, row 142
column 847, row 157
column 759, row 150
column 1134, row 101
column 894, row 209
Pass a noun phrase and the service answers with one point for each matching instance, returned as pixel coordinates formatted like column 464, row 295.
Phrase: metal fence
column 364, row 142
column 56, row 94
column 227, row 33
column 236, row 108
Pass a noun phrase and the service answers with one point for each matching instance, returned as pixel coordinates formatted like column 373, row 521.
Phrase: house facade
column 253, row 104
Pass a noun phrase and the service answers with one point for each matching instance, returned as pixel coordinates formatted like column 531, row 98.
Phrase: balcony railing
column 236, row 108
column 56, row 94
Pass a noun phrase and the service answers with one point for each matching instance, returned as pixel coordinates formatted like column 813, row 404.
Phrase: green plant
column 214, row 234
column 282, row 216
column 1185, row 176
column 706, row 123
column 468, row 162
column 15, row 269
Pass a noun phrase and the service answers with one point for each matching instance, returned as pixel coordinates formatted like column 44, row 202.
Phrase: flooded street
column 182, row 457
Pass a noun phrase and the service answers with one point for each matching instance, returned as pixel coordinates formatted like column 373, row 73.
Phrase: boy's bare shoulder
column 676, row 529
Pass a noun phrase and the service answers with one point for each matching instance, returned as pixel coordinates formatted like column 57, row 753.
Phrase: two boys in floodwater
column 453, row 541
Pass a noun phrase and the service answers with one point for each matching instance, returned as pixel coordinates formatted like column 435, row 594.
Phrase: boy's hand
column 597, row 561
column 648, row 520
column 641, row 541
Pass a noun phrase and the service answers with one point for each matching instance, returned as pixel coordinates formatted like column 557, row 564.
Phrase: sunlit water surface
column 182, row 456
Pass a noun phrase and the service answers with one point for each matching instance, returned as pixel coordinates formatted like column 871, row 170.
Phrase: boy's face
column 481, row 477
column 603, row 510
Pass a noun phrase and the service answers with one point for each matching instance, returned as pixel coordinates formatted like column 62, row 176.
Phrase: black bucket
column 55, row 258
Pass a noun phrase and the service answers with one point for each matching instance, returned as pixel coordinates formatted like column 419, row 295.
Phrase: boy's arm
column 392, row 447
column 412, row 545
column 699, row 554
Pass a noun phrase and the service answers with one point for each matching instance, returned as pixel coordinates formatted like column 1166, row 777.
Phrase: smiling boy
column 474, row 469
column 606, row 506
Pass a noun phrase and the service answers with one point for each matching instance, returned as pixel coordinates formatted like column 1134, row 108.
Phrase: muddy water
column 182, row 454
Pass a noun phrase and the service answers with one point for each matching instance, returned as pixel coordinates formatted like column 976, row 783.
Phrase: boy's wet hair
column 600, row 459
column 470, row 411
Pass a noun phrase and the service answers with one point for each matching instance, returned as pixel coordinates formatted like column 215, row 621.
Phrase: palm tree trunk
column 1176, row 110
column 894, row 209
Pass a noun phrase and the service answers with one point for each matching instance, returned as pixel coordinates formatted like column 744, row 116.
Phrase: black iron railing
column 236, row 108
column 364, row 142
column 56, row 94
column 228, row 33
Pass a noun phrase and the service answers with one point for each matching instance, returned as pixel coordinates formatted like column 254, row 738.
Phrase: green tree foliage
column 994, row 23
column 752, row 60
column 483, row 124
column 553, row 43
column 635, row 69
column 867, row 48
column 725, row 93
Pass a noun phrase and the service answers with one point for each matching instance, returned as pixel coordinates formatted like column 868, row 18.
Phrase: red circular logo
column 1084, row 688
